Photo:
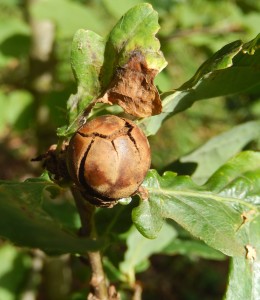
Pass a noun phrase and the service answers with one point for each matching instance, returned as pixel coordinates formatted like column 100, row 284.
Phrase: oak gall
column 108, row 158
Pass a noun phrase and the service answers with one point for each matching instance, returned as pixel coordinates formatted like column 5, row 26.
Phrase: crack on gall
column 81, row 176
column 126, row 130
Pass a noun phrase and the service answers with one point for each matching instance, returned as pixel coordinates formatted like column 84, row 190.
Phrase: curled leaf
column 133, row 89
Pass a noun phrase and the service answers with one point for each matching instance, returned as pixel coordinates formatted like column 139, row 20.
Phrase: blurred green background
column 35, row 82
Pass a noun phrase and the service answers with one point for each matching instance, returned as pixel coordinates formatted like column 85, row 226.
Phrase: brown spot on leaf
column 143, row 193
column 250, row 253
column 248, row 215
column 133, row 89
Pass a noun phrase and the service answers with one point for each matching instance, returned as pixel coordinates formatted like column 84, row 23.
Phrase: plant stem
column 99, row 288
column 137, row 292
column 98, row 280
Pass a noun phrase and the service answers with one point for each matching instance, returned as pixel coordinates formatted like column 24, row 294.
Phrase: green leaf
column 216, row 151
column 231, row 70
column 25, row 223
column 151, row 215
column 87, row 52
column 86, row 60
column 134, row 31
column 192, row 248
column 222, row 59
column 94, row 61
column 244, row 280
column 139, row 249
column 213, row 212
column 238, row 178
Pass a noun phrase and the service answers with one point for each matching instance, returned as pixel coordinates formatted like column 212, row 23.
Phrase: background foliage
column 34, row 90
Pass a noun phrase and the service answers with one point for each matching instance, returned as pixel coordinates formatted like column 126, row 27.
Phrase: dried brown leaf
column 133, row 89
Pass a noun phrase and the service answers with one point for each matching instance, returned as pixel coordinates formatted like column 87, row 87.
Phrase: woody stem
column 98, row 284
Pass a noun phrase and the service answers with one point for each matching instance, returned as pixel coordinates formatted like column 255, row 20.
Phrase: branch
column 98, row 282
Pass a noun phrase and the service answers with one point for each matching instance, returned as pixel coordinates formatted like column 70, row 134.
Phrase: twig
column 137, row 291
column 98, row 284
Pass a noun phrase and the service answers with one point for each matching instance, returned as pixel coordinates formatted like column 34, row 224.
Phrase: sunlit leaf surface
column 213, row 212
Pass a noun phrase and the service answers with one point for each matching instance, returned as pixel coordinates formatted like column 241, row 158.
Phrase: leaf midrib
column 199, row 194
